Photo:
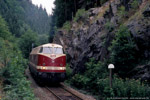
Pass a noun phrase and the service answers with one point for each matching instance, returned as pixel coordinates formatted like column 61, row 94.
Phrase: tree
column 4, row 32
column 123, row 51
column 26, row 41
column 20, row 12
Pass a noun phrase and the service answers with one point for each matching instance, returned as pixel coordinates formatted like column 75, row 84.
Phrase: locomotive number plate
column 52, row 55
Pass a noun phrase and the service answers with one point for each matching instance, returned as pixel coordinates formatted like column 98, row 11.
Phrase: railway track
column 62, row 94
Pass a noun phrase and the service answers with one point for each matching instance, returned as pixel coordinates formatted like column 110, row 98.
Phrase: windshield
column 58, row 50
column 51, row 50
column 47, row 50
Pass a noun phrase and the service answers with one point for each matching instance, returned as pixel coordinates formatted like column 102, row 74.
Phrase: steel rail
column 64, row 90
column 54, row 94
column 71, row 93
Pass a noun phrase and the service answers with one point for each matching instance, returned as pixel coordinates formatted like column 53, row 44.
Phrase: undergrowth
column 12, row 67
column 95, row 80
column 16, row 86
column 79, row 13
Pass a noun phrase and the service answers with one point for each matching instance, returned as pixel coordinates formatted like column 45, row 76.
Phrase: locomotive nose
column 61, row 65
column 53, row 61
column 53, row 56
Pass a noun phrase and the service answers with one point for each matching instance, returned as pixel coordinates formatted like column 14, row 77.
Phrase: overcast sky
column 47, row 4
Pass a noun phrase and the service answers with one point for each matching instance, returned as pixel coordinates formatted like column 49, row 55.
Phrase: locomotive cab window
column 41, row 50
column 47, row 50
column 58, row 50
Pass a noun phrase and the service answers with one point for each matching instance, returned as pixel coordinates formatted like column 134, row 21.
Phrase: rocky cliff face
column 91, row 35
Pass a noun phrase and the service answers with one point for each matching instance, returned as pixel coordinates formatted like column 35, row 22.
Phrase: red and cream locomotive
column 48, row 62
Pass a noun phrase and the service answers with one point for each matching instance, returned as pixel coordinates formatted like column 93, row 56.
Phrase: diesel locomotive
column 48, row 62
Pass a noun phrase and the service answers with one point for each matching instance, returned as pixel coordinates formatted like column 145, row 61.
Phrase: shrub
column 109, row 26
column 68, row 71
column 12, row 67
column 122, row 88
column 94, row 69
column 122, row 12
column 79, row 13
column 67, row 26
column 134, row 4
column 5, row 48
column 80, row 81
column 88, row 79
column 123, row 51
column 95, row 80
column 16, row 85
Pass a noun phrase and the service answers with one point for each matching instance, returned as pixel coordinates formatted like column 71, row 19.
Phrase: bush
column 67, row 26
column 80, row 81
column 12, row 67
column 5, row 48
column 95, row 80
column 109, row 26
column 123, row 51
column 134, row 4
column 88, row 79
column 16, row 85
column 68, row 71
column 79, row 13
column 122, row 88
column 122, row 12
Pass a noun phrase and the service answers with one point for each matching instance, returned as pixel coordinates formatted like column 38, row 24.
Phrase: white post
column 110, row 67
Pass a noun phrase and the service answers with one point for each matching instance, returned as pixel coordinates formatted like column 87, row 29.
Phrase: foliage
column 68, row 71
column 103, row 1
column 26, row 41
column 93, row 72
column 50, row 38
column 122, row 12
column 67, row 26
column 5, row 48
column 95, row 80
column 16, row 85
column 5, row 45
column 79, row 13
column 28, row 38
column 134, row 4
column 20, row 12
column 80, row 81
column 12, row 67
column 4, row 32
column 109, row 26
column 122, row 88
column 123, row 51
column 65, row 10
column 12, row 64
column 42, row 39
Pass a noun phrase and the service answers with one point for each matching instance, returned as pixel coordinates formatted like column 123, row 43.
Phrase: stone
column 146, row 13
column 85, row 41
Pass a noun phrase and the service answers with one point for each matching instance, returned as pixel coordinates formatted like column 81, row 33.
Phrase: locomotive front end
column 51, row 63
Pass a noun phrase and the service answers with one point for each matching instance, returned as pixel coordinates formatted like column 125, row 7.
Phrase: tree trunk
column 75, row 6
column 65, row 10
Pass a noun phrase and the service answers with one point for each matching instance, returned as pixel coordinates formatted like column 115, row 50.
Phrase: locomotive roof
column 51, row 45
column 36, row 49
